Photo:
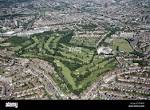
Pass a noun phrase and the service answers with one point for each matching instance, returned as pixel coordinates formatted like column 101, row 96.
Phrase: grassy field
column 5, row 44
column 100, row 68
column 85, row 55
column 122, row 44
column 47, row 44
column 66, row 72
column 1, row 71
column 84, row 41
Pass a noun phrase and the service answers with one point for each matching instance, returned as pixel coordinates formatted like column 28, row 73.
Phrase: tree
column 117, row 48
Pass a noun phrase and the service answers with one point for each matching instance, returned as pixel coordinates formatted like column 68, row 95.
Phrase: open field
column 122, row 44
column 66, row 72
column 89, row 42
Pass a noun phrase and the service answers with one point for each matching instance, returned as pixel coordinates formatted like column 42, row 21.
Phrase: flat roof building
column 104, row 50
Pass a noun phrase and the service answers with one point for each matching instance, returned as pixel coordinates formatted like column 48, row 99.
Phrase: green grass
column 55, row 42
column 122, row 44
column 36, row 42
column 17, row 48
column 88, row 66
column 26, row 43
column 5, row 44
column 16, row 41
column 89, row 42
column 1, row 71
column 66, row 72
column 72, row 66
column 104, row 67
column 84, row 56
column 47, row 44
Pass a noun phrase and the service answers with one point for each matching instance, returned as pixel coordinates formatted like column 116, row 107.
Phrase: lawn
column 85, row 41
column 1, row 71
column 122, row 44
column 102, row 67
column 16, row 41
column 47, row 44
column 85, row 55
column 5, row 44
column 55, row 42
column 66, row 72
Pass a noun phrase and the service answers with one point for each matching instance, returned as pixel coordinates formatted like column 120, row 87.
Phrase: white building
column 104, row 50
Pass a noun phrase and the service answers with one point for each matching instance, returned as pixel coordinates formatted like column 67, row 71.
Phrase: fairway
column 100, row 68
column 66, row 72
column 46, row 46
column 5, row 44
